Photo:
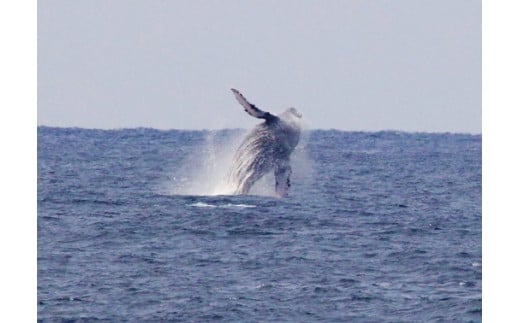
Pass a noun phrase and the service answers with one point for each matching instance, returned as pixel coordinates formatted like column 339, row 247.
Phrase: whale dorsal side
column 251, row 109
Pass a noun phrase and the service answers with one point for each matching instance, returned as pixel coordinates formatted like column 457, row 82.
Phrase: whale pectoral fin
column 282, row 173
column 250, row 108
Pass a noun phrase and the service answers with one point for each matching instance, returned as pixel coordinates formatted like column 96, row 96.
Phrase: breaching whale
column 266, row 147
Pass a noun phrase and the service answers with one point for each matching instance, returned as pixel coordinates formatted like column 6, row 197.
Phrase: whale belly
column 253, row 159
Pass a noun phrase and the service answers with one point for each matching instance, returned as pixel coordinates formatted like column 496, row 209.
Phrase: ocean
column 133, row 225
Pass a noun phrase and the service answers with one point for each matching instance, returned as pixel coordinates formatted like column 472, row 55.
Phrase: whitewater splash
column 204, row 170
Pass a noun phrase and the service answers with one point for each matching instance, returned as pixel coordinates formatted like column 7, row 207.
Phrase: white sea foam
column 225, row 206
column 202, row 204
column 239, row 206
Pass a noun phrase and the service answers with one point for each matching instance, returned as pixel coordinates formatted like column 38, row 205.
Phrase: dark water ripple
column 386, row 227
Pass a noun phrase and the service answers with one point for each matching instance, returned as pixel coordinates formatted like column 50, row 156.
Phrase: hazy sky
column 351, row 65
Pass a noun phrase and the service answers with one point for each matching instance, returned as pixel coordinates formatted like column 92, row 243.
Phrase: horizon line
column 237, row 129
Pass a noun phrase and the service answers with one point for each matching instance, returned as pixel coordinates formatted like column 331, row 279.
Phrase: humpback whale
column 266, row 147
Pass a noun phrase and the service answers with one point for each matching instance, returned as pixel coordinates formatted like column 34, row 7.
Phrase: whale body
column 267, row 147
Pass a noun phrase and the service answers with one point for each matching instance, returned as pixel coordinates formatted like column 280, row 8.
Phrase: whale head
column 291, row 115
column 293, row 112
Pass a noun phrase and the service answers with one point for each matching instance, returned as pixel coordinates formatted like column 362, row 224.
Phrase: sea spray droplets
column 204, row 169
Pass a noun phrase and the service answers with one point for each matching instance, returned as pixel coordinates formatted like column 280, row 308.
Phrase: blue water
column 378, row 227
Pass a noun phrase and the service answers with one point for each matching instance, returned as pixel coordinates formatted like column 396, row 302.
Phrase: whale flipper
column 251, row 109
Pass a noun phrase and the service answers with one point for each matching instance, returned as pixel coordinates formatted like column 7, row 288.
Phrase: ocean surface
column 378, row 227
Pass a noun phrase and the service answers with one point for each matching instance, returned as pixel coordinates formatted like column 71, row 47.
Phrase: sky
column 350, row 65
